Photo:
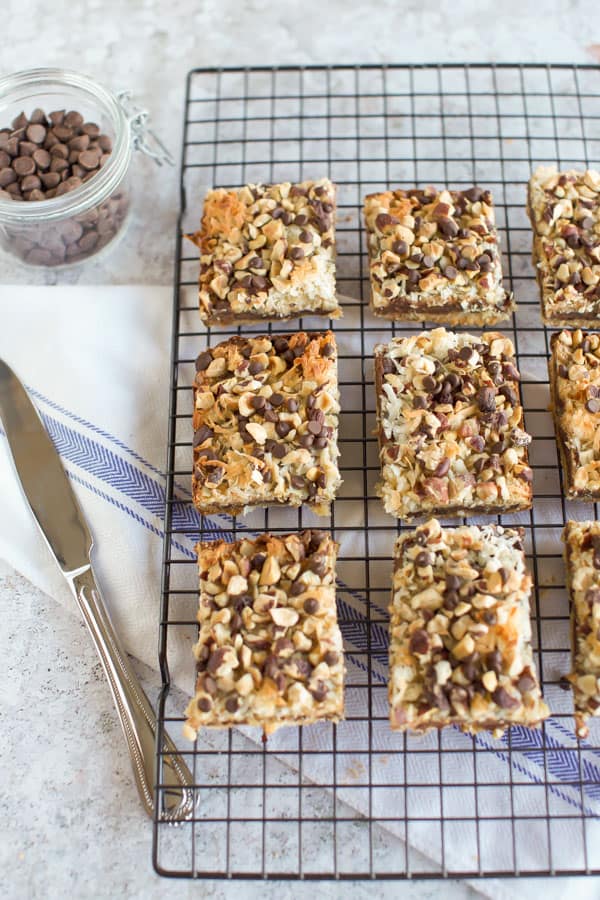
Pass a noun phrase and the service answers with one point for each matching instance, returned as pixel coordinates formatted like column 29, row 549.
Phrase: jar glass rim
column 105, row 181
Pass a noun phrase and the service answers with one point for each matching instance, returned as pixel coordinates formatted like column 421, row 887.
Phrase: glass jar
column 67, row 229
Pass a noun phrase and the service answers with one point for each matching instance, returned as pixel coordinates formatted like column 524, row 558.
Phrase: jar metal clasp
column 143, row 137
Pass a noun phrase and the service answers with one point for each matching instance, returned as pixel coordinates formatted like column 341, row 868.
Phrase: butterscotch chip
column 269, row 651
column 451, row 432
column 582, row 558
column 574, row 369
column 435, row 255
column 268, row 253
column 460, row 634
column 265, row 423
column 564, row 209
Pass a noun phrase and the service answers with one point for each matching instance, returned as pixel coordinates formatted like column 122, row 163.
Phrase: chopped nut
column 284, row 617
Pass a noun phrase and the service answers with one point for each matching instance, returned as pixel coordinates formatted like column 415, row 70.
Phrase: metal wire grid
column 355, row 800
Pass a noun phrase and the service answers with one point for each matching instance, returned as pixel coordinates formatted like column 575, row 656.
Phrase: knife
column 63, row 525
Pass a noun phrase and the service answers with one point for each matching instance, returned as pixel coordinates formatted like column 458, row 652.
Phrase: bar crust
column 267, row 252
column 564, row 210
column 450, row 425
column 460, row 650
column 265, row 423
column 435, row 255
column 269, row 650
column 574, row 374
column 582, row 560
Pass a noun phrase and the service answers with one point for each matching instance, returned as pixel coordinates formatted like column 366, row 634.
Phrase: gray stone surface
column 149, row 45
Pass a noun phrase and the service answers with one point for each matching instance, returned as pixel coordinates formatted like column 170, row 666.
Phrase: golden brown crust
column 268, row 253
column 269, row 651
column 564, row 210
column 265, row 423
column 460, row 650
column 451, row 431
column 582, row 559
column 434, row 255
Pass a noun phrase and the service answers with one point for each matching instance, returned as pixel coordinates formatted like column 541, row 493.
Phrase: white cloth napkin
column 96, row 361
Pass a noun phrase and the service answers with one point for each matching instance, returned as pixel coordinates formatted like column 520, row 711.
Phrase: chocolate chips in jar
column 45, row 156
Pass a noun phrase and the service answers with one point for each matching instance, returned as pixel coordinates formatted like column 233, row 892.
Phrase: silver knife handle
column 135, row 710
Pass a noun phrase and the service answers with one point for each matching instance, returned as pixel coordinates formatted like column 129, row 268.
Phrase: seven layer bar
column 269, row 651
column 582, row 558
column 268, row 253
column 564, row 209
column 265, row 423
column 435, row 255
column 451, row 425
column 574, row 370
column 460, row 649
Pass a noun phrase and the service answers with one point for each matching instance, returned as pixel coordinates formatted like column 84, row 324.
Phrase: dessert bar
column 574, row 369
column 582, row 557
column 451, row 433
column 564, row 209
column 460, row 650
column 269, row 651
column 267, row 252
column 434, row 255
column 265, row 423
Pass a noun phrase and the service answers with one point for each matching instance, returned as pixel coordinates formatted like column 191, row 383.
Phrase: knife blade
column 61, row 521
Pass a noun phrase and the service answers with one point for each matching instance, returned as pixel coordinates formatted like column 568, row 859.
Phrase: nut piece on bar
column 265, row 423
column 582, row 558
column 435, row 255
column 267, row 252
column 460, row 650
column 564, row 209
column 269, row 651
column 574, row 368
column 451, row 434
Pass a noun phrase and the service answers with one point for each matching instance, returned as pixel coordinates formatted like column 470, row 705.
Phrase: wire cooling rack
column 355, row 800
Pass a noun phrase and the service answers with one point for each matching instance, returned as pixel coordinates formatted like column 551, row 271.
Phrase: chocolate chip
column 384, row 220
column 593, row 405
column 494, row 661
column 419, row 642
column 276, row 399
column 400, row 248
column 328, row 350
column 331, row 658
column 526, row 682
column 486, row 399
column 231, row 704
column 202, row 434
column 504, row 699
column 311, row 606
column 423, row 559
column 279, row 450
column 450, row 273
column 204, row 704
column 429, row 383
column 216, row 660
column 447, row 226
column 442, row 468
column 258, row 402
column 203, row 361
column 255, row 367
column 319, row 692
column 292, row 405
column 283, row 428
column 315, row 427
column 296, row 253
